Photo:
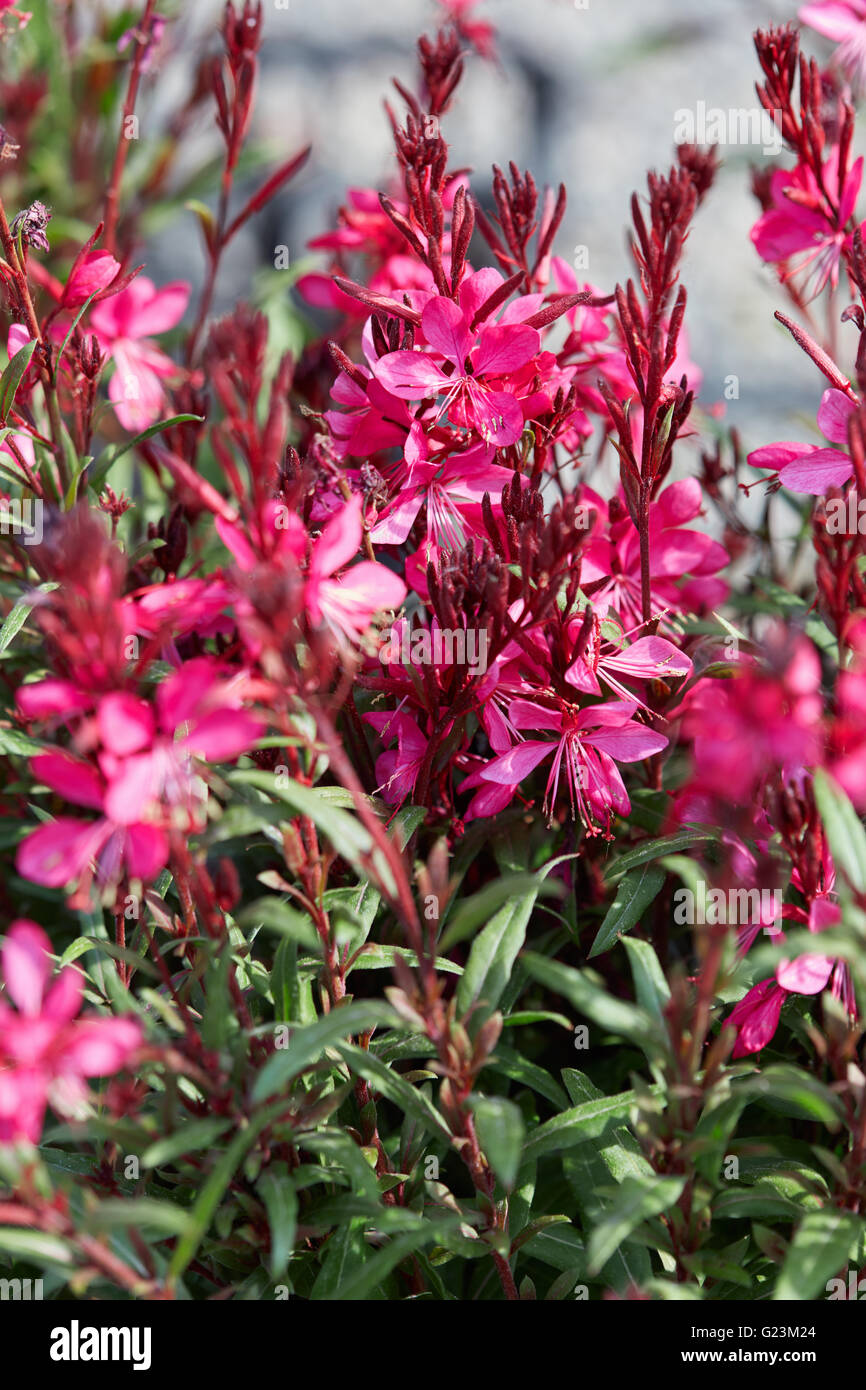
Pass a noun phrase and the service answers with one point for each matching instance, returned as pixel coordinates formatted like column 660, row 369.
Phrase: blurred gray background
column 582, row 95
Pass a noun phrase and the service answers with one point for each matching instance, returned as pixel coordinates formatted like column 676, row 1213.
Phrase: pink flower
column 756, row 1017
column 802, row 218
column 146, row 780
column 847, row 732
column 91, row 274
column 148, row 755
column 133, row 36
column 365, row 229
column 843, row 21
column 23, row 16
column 473, row 390
column 478, row 32
column 611, row 564
column 810, row 468
column 762, row 722
column 649, row 658
column 65, row 851
column 374, row 419
column 589, row 741
column 347, row 603
column 45, row 1054
column 124, row 325
column 445, row 483
column 397, row 770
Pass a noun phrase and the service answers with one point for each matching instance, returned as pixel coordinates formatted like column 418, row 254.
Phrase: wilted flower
column 30, row 226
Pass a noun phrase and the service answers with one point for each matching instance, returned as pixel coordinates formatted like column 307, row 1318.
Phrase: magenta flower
column 124, row 325
column 479, row 33
column 843, row 21
column 92, row 273
column 23, row 16
column 802, row 219
column 149, row 756
column 363, row 228
column 473, row 388
column 847, row 731
column 810, row 468
column 374, row 419
column 589, row 741
column 65, row 851
column 130, row 37
column 45, row 1052
column 649, row 658
column 446, row 483
column 397, row 770
column 347, row 603
column 683, row 561
column 763, row 722
column 146, row 781
column 756, row 1017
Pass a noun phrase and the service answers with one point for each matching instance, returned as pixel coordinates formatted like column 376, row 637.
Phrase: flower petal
column 27, row 967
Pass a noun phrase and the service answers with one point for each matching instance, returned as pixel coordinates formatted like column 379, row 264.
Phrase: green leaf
column 651, row 987
column 101, row 467
column 509, row 1062
column 211, row 1194
column 586, row 1174
column 372, row 956
column 619, row 1149
column 752, row 1203
column 35, row 1246
column 588, row 994
column 144, row 1213
column 14, row 622
column 589, row 1168
column 558, row 1246
column 844, row 829
column 344, row 1255
column 639, row 1198
column 634, row 894
column 359, row 1271
column 818, row 1252
column 348, row 836
column 654, row 849
column 501, row 1133
column 277, row 915
column 588, row 1121
column 281, row 1203
column 405, row 822
column 72, row 327
column 11, row 378
column 790, row 1091
column 476, row 910
column 308, row 1043
column 13, row 741
column 198, row 1134
column 493, row 954
column 394, row 1087
column 285, row 984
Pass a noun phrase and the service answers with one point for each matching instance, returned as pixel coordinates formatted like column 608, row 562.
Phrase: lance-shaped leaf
column 638, row 1199
column 819, row 1251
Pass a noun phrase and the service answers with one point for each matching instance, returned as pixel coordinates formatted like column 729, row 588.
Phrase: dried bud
column 30, row 226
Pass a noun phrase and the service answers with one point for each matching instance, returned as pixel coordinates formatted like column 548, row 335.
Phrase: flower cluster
column 379, row 645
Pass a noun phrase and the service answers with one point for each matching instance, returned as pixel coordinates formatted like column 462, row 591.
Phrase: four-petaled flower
column 46, row 1052
column 125, row 325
